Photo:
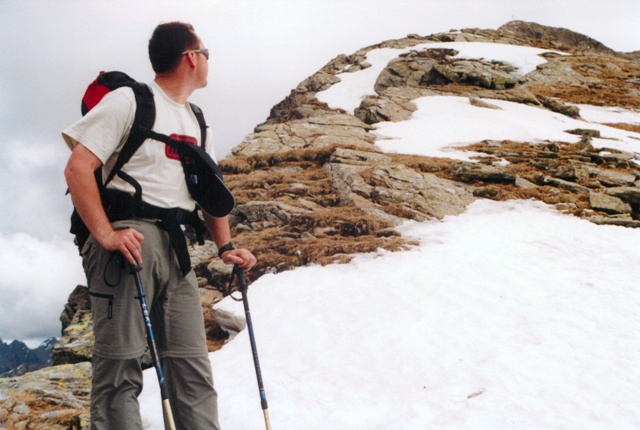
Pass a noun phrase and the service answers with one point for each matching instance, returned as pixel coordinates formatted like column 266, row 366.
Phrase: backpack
column 198, row 165
column 145, row 115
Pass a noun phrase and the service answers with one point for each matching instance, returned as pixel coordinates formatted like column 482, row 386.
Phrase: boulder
column 470, row 172
column 608, row 204
column 421, row 193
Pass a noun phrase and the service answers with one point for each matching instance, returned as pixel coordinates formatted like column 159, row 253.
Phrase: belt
column 170, row 221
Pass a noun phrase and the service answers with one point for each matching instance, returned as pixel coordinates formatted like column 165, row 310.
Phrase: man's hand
column 243, row 258
column 128, row 241
column 221, row 233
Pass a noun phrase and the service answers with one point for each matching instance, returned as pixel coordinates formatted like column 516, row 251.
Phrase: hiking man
column 180, row 62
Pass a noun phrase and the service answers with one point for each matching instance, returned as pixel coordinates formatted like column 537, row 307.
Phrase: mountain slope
column 313, row 185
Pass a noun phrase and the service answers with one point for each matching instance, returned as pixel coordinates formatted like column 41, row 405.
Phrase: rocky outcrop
column 312, row 186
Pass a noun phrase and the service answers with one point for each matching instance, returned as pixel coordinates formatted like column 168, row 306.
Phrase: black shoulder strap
column 143, row 121
column 203, row 124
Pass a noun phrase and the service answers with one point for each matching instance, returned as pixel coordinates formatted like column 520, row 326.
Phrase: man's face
column 202, row 65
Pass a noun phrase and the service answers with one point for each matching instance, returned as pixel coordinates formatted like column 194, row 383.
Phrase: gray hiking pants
column 120, row 336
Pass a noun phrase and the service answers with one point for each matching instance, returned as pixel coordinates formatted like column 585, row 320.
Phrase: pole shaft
column 164, row 392
column 242, row 283
column 267, row 421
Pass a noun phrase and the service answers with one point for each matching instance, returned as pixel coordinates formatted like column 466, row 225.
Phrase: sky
column 260, row 51
column 509, row 316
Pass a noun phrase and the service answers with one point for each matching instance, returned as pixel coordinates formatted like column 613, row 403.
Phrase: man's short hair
column 167, row 44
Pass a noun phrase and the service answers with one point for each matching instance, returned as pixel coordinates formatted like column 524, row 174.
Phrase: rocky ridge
column 312, row 187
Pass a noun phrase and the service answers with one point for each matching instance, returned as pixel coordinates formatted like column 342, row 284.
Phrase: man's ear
column 191, row 61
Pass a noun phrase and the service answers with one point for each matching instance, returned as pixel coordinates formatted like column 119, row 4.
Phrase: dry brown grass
column 628, row 127
column 613, row 84
column 65, row 419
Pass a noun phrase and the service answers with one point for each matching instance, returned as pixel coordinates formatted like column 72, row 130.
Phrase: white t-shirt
column 105, row 129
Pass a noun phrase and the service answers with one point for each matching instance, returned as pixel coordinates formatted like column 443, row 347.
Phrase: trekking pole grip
column 242, row 279
column 135, row 268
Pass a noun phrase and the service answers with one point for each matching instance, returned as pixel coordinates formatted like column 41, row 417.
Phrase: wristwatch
column 228, row 247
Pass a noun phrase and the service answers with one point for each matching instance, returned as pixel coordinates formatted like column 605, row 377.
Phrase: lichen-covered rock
column 53, row 398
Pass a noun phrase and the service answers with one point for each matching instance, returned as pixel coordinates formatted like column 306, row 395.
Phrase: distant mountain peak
column 17, row 358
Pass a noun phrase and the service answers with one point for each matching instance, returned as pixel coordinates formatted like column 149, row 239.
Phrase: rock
column 469, row 172
column 562, row 35
column 349, row 156
column 545, row 163
column 523, row 183
column 610, row 220
column 425, row 194
column 630, row 195
column 231, row 323
column 261, row 214
column 66, row 388
column 569, row 186
column 557, row 105
column 79, row 299
column 609, row 154
column 584, row 132
column 349, row 185
column 319, row 82
column 411, row 72
column 612, row 178
column 572, row 173
column 311, row 132
column 477, row 102
column 609, row 204
column 76, row 343
column 491, row 75
column 374, row 109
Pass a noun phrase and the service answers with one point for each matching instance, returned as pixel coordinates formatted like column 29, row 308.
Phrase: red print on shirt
column 171, row 153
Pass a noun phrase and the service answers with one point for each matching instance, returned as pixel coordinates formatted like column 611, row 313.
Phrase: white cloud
column 35, row 282
column 26, row 154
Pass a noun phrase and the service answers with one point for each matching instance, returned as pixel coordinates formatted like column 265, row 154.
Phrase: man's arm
column 221, row 233
column 79, row 174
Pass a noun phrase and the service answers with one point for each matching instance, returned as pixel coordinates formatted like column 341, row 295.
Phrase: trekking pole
column 164, row 392
column 242, row 286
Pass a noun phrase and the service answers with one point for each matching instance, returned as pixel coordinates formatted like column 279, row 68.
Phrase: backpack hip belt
column 120, row 206
column 170, row 221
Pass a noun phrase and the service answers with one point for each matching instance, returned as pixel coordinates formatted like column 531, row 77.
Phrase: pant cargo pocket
column 109, row 297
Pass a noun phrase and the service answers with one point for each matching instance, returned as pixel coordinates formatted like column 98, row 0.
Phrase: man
column 180, row 62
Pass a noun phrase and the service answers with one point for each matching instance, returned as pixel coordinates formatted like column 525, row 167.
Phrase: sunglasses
column 203, row 51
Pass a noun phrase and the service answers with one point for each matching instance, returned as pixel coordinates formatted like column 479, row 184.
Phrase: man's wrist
column 228, row 247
